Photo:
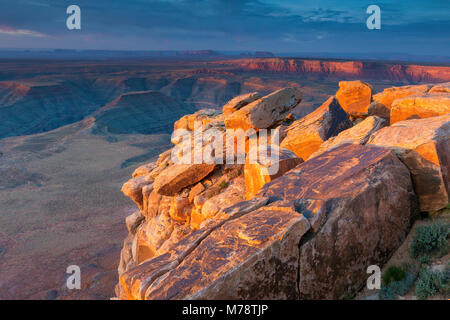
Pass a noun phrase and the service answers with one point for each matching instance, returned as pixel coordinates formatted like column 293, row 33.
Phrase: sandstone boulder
column 144, row 169
column 382, row 101
column 358, row 134
column 239, row 101
column 133, row 189
column 419, row 107
column 304, row 136
column 355, row 97
column 133, row 221
column 203, row 116
column 257, row 174
column 266, row 111
column 424, row 146
column 360, row 200
column 179, row 176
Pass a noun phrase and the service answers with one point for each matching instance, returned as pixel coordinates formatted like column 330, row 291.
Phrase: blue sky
column 413, row 27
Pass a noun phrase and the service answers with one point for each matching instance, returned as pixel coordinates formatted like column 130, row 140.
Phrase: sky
column 407, row 26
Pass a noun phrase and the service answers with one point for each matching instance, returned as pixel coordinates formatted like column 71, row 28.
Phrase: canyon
column 73, row 131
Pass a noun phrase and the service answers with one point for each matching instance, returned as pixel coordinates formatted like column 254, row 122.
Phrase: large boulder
column 382, row 102
column 424, row 146
column 304, row 136
column 266, row 111
column 358, row 134
column 255, row 250
column 360, row 203
column 238, row 102
column 419, row 107
column 355, row 97
column 259, row 173
column 178, row 176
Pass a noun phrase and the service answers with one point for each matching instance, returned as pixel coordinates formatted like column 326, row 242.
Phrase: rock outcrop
column 358, row 134
column 266, row 111
column 304, row 136
column 424, row 146
column 355, row 97
column 419, row 107
column 308, row 230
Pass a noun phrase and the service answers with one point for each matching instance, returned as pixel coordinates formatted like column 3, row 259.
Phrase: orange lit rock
column 304, row 136
column 239, row 101
column 424, row 146
column 358, row 134
column 144, row 169
column 355, row 97
column 203, row 116
column 266, row 111
column 179, row 176
column 178, row 209
column 382, row 101
column 257, row 174
column 419, row 107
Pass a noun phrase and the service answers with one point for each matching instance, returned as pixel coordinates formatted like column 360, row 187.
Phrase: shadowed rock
column 358, row 134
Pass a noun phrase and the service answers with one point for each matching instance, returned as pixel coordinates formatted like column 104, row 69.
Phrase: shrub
column 393, row 273
column 429, row 238
column 425, row 259
column 430, row 283
column 396, row 288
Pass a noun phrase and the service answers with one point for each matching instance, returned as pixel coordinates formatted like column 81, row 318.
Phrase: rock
column 424, row 146
column 419, row 107
column 135, row 281
column 239, row 101
column 355, row 97
column 196, row 190
column 266, row 111
column 251, row 257
column 257, row 174
column 440, row 88
column 203, row 116
column 232, row 194
column 358, row 134
column 382, row 101
column 179, row 176
column 305, row 136
column 144, row 169
column 366, row 203
column 263, row 252
column 133, row 221
column 133, row 189
column 180, row 209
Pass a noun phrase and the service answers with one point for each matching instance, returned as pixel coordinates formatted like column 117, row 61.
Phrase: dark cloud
column 285, row 25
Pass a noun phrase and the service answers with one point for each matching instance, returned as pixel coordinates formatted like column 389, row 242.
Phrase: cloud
column 20, row 32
